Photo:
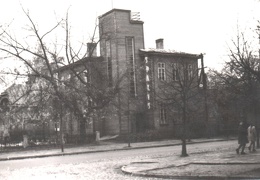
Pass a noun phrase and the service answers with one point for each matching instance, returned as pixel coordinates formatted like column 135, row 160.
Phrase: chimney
column 91, row 48
column 159, row 43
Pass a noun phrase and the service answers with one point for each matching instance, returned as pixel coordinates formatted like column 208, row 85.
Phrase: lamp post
column 258, row 32
column 204, row 85
column 257, row 123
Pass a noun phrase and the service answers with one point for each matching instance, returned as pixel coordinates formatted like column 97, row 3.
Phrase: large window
column 109, row 63
column 190, row 71
column 163, row 114
column 130, row 55
column 161, row 71
column 175, row 72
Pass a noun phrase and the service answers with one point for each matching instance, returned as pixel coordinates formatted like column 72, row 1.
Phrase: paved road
column 105, row 165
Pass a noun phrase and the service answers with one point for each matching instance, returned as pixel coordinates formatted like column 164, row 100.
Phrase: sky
column 192, row 26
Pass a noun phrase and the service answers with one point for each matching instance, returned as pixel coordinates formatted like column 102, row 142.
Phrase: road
column 105, row 165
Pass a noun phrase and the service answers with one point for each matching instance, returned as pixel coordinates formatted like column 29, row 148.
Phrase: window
column 163, row 114
column 130, row 56
column 161, row 71
column 190, row 71
column 109, row 63
column 109, row 70
column 175, row 72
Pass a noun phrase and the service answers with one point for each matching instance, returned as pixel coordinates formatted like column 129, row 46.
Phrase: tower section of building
column 121, row 37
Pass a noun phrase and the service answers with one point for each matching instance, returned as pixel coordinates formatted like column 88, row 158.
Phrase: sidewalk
column 103, row 146
column 201, row 165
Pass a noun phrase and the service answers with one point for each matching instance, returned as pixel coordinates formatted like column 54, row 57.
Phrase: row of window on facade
column 176, row 71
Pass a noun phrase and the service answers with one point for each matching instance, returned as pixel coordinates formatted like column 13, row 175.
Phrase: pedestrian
column 242, row 137
column 251, row 134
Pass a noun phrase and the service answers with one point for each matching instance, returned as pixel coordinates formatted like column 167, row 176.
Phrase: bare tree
column 180, row 93
column 45, row 68
column 241, row 76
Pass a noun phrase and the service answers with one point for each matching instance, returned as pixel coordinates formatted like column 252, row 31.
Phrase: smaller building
column 168, row 73
column 83, row 82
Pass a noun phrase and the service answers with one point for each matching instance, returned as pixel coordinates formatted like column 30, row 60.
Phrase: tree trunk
column 82, row 130
column 257, row 138
column 184, row 149
column 61, row 129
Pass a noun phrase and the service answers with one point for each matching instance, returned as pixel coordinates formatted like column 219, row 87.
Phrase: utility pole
column 258, row 32
column 256, row 120
column 128, row 123
column 128, row 107
column 204, row 82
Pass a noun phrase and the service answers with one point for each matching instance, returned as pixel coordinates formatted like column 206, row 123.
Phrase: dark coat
column 242, row 134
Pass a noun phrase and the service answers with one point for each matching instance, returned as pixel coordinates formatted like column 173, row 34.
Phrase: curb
column 144, row 174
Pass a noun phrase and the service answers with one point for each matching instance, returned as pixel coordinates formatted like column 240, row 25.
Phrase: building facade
column 140, row 76
column 168, row 75
column 122, row 46
column 121, row 37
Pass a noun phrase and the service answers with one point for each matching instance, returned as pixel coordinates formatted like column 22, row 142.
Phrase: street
column 105, row 165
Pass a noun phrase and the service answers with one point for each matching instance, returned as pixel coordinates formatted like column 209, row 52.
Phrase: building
column 168, row 73
column 122, row 46
column 81, row 82
column 137, row 72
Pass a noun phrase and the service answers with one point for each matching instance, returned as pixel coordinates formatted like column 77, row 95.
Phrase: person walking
column 251, row 134
column 242, row 137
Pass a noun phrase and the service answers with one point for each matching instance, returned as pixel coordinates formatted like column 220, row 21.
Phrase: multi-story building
column 122, row 46
column 170, row 75
column 139, row 74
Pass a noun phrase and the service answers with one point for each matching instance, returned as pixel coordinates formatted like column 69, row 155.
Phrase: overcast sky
column 192, row 26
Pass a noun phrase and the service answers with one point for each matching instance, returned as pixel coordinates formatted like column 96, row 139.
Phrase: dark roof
column 168, row 52
column 80, row 63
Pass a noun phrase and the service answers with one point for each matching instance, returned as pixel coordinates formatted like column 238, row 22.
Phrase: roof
column 122, row 10
column 170, row 52
column 112, row 10
column 80, row 63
